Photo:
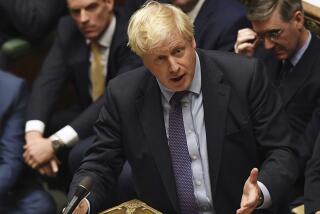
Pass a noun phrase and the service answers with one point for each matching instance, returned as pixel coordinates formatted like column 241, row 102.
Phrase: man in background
column 290, row 52
column 90, row 49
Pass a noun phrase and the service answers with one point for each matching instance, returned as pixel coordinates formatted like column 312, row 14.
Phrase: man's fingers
column 244, row 211
column 254, row 175
column 54, row 166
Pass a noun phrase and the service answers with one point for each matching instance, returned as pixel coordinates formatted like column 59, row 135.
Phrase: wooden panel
column 312, row 16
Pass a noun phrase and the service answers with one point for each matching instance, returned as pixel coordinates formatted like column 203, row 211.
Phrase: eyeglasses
column 272, row 35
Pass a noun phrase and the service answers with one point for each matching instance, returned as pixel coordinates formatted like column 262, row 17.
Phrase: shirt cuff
column 67, row 135
column 88, row 203
column 35, row 125
column 266, row 196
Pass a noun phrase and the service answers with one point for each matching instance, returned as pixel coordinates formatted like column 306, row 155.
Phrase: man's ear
column 298, row 18
column 194, row 44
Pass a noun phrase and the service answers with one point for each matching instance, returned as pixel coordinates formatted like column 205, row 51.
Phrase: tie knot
column 95, row 48
column 287, row 65
column 176, row 98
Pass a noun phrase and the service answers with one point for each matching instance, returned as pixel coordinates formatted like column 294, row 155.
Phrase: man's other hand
column 247, row 42
column 251, row 194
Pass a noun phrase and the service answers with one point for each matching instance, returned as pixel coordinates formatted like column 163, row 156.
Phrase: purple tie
column 180, row 157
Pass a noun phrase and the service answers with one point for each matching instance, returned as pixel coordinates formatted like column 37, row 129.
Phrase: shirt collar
column 195, row 11
column 106, row 37
column 195, row 86
column 297, row 56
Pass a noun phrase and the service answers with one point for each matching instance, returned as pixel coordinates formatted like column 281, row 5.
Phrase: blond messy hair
column 154, row 23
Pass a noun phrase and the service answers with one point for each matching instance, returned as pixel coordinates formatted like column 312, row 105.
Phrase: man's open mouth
column 177, row 79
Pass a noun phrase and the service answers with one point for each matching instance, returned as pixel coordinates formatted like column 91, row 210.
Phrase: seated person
column 216, row 21
column 20, row 191
column 290, row 52
column 93, row 24
column 193, row 124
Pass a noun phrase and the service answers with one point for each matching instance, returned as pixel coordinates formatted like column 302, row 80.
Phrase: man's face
column 173, row 63
column 185, row 5
column 91, row 16
column 281, row 38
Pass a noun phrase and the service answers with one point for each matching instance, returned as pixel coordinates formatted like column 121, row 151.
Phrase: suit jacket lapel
column 79, row 59
column 151, row 117
column 215, row 105
column 300, row 72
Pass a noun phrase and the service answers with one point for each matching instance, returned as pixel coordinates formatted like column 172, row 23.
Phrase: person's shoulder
column 131, row 82
column 224, row 56
column 233, row 67
column 8, row 80
column 134, row 76
column 314, row 43
column 11, row 86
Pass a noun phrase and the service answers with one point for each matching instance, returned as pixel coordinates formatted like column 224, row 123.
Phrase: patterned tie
column 97, row 76
column 180, row 157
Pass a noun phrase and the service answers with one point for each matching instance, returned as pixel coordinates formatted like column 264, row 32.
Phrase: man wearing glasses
column 293, row 61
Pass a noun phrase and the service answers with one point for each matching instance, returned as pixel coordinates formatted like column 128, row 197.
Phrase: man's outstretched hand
column 251, row 193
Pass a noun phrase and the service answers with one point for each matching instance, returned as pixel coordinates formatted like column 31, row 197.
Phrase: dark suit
column 19, row 189
column 244, row 123
column 300, row 92
column 216, row 25
column 69, row 60
column 312, row 182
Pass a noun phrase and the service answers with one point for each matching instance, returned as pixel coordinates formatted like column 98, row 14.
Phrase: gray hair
column 260, row 10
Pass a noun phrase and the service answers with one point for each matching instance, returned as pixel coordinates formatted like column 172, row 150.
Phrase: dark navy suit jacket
column 245, row 128
column 13, row 101
column 20, row 191
column 216, row 25
column 68, row 60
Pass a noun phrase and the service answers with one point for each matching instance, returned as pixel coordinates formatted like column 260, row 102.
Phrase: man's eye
column 161, row 58
column 178, row 51
column 274, row 33
column 75, row 12
column 92, row 7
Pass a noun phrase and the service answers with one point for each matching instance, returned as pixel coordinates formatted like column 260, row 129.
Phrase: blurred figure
column 90, row 49
column 193, row 124
column 312, row 174
column 216, row 21
column 31, row 20
column 291, row 54
column 20, row 192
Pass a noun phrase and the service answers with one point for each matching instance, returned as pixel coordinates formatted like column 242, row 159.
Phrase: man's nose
column 83, row 16
column 268, row 44
column 173, row 65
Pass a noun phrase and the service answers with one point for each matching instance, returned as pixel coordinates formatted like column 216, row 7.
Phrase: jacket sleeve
column 12, row 140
